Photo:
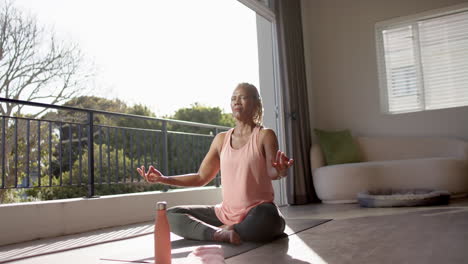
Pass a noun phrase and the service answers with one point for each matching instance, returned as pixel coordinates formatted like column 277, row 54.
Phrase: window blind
column 426, row 63
column 444, row 57
column 401, row 70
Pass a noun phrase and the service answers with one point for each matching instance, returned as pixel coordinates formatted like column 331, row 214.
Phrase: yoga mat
column 182, row 247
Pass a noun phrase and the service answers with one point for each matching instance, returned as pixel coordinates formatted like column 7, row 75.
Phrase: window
column 423, row 61
column 263, row 8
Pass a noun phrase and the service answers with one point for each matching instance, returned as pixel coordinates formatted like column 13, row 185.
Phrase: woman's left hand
column 282, row 164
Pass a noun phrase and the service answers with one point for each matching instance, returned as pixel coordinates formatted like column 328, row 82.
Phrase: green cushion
column 338, row 146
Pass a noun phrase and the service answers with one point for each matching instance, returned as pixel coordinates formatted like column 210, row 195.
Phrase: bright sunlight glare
column 163, row 54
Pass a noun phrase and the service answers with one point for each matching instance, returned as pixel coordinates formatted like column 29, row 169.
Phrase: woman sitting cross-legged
column 249, row 160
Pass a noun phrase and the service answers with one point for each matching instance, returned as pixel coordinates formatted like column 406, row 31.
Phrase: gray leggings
column 263, row 223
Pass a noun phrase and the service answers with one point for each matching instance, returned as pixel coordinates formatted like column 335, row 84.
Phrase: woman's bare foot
column 225, row 235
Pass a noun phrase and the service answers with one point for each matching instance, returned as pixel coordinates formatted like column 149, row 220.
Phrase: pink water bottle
column 162, row 239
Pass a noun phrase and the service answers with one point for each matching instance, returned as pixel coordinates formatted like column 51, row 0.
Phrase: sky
column 163, row 54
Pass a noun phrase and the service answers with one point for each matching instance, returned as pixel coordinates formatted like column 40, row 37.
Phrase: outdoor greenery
column 45, row 154
column 120, row 146
column 34, row 66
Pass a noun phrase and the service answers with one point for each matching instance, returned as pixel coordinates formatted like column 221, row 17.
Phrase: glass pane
column 166, row 55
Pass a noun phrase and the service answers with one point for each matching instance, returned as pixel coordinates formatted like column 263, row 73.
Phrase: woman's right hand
column 152, row 176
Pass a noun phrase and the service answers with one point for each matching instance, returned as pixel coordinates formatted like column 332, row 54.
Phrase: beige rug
column 432, row 236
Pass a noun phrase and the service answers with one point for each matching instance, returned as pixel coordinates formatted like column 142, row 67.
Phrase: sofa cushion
column 338, row 146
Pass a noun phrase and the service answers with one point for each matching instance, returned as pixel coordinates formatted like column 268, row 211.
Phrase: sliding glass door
column 269, row 78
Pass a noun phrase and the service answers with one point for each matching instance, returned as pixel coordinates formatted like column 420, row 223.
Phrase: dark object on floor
column 401, row 198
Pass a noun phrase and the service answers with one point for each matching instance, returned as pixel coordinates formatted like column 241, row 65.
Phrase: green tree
column 188, row 145
column 28, row 157
column 72, row 135
column 115, row 175
column 118, row 141
column 34, row 65
column 201, row 114
column 89, row 102
column 140, row 110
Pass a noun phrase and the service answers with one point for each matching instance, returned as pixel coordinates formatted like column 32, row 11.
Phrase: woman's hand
column 282, row 163
column 152, row 176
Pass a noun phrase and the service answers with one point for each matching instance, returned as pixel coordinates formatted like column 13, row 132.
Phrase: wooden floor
column 364, row 234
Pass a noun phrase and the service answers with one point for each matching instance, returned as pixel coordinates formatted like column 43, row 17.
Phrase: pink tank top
column 244, row 179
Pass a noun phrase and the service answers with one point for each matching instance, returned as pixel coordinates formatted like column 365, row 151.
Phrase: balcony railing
column 56, row 150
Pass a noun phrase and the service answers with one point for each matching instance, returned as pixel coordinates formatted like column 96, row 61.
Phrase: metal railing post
column 90, row 155
column 28, row 150
column 80, row 153
column 165, row 152
column 16, row 152
column 3, row 152
column 39, row 153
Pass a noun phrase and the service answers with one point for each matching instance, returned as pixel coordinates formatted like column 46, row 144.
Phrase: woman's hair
column 258, row 112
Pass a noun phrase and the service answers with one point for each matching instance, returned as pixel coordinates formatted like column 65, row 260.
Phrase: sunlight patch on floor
column 301, row 251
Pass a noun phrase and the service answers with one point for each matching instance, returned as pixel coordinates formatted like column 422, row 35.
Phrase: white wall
column 29, row 221
column 342, row 70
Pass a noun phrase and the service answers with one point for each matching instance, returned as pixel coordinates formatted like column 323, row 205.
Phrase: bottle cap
column 161, row 205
